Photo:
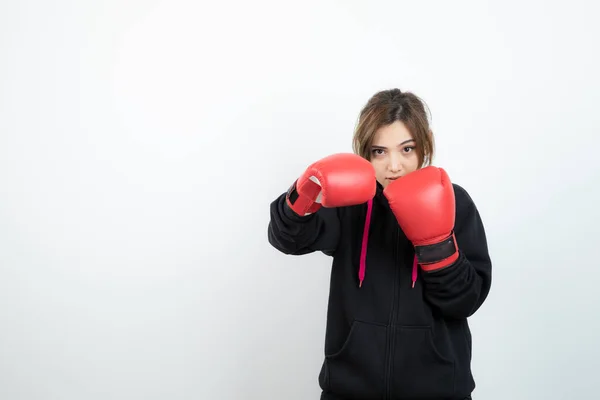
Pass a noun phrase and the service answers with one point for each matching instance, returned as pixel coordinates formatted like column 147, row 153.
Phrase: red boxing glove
column 338, row 180
column 424, row 205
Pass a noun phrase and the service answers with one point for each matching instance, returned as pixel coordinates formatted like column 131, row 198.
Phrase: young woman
column 410, row 259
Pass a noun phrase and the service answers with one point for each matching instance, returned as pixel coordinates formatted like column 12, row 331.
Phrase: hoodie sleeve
column 296, row 235
column 461, row 288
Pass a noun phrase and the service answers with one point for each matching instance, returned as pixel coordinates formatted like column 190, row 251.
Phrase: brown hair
column 387, row 107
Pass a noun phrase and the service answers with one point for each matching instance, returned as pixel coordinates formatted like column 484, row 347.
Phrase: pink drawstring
column 363, row 251
column 414, row 271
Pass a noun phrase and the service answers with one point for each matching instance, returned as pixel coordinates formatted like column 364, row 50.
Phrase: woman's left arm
column 459, row 289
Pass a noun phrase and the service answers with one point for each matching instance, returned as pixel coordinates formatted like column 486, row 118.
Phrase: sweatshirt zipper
column 392, row 327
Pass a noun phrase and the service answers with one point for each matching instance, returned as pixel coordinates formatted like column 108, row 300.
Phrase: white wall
column 134, row 262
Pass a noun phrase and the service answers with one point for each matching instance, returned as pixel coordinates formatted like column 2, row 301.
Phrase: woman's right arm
column 293, row 234
column 306, row 218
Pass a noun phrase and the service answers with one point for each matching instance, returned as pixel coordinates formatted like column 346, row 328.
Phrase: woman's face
column 393, row 153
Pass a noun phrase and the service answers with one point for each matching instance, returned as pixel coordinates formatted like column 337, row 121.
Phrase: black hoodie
column 402, row 333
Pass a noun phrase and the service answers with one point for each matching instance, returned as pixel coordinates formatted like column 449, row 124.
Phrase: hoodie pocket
column 357, row 369
column 420, row 369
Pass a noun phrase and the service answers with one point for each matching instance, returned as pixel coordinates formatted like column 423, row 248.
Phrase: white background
column 141, row 143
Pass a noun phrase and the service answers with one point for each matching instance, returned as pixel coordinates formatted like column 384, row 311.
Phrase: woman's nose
column 394, row 164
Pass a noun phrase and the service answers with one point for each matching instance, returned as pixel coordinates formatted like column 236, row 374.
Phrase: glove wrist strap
column 302, row 204
column 437, row 255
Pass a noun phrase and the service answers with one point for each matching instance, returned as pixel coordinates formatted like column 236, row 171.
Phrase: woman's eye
column 408, row 149
column 377, row 152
